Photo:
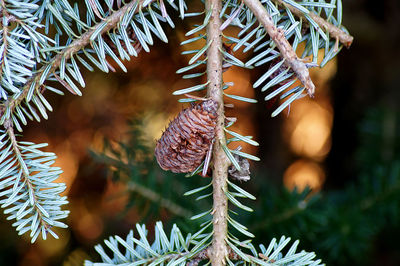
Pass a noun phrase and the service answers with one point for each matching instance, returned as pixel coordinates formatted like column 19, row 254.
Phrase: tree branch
column 220, row 161
column 278, row 37
column 166, row 203
column 195, row 260
column 335, row 32
column 279, row 218
column 4, row 16
column 205, row 254
column 78, row 44
column 202, row 255
column 25, row 172
column 144, row 191
column 166, row 257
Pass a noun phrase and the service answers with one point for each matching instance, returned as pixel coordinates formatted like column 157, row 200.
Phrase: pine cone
column 184, row 144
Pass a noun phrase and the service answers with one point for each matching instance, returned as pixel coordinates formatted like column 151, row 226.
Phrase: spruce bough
column 114, row 31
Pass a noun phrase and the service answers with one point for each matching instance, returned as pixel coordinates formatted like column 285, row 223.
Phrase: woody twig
column 278, row 37
column 205, row 254
column 334, row 31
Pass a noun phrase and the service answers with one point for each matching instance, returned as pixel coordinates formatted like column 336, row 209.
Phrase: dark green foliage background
column 338, row 224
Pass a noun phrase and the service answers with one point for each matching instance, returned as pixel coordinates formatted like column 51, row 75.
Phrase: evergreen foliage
column 47, row 41
column 50, row 41
column 178, row 250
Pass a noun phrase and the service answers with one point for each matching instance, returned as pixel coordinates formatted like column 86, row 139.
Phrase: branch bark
column 4, row 16
column 335, row 32
column 278, row 37
column 205, row 254
column 220, row 162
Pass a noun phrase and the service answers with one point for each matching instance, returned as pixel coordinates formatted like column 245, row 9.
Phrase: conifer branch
column 220, row 161
column 71, row 49
column 4, row 16
column 278, row 37
column 166, row 203
column 334, row 31
column 279, row 218
column 205, row 254
column 148, row 193
column 165, row 258
column 202, row 255
column 25, row 173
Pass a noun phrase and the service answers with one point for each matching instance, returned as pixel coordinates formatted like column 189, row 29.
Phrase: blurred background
column 329, row 170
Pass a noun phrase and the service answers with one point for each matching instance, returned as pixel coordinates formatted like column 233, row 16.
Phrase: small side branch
column 165, row 258
column 24, row 169
column 152, row 195
column 335, row 32
column 205, row 254
column 4, row 17
column 278, row 37
column 145, row 192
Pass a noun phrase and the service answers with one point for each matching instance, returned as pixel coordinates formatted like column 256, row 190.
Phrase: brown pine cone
column 184, row 144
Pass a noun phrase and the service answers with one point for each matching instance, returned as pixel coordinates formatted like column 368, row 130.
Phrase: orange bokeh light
column 242, row 85
column 303, row 173
column 68, row 162
column 90, row 226
column 308, row 130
